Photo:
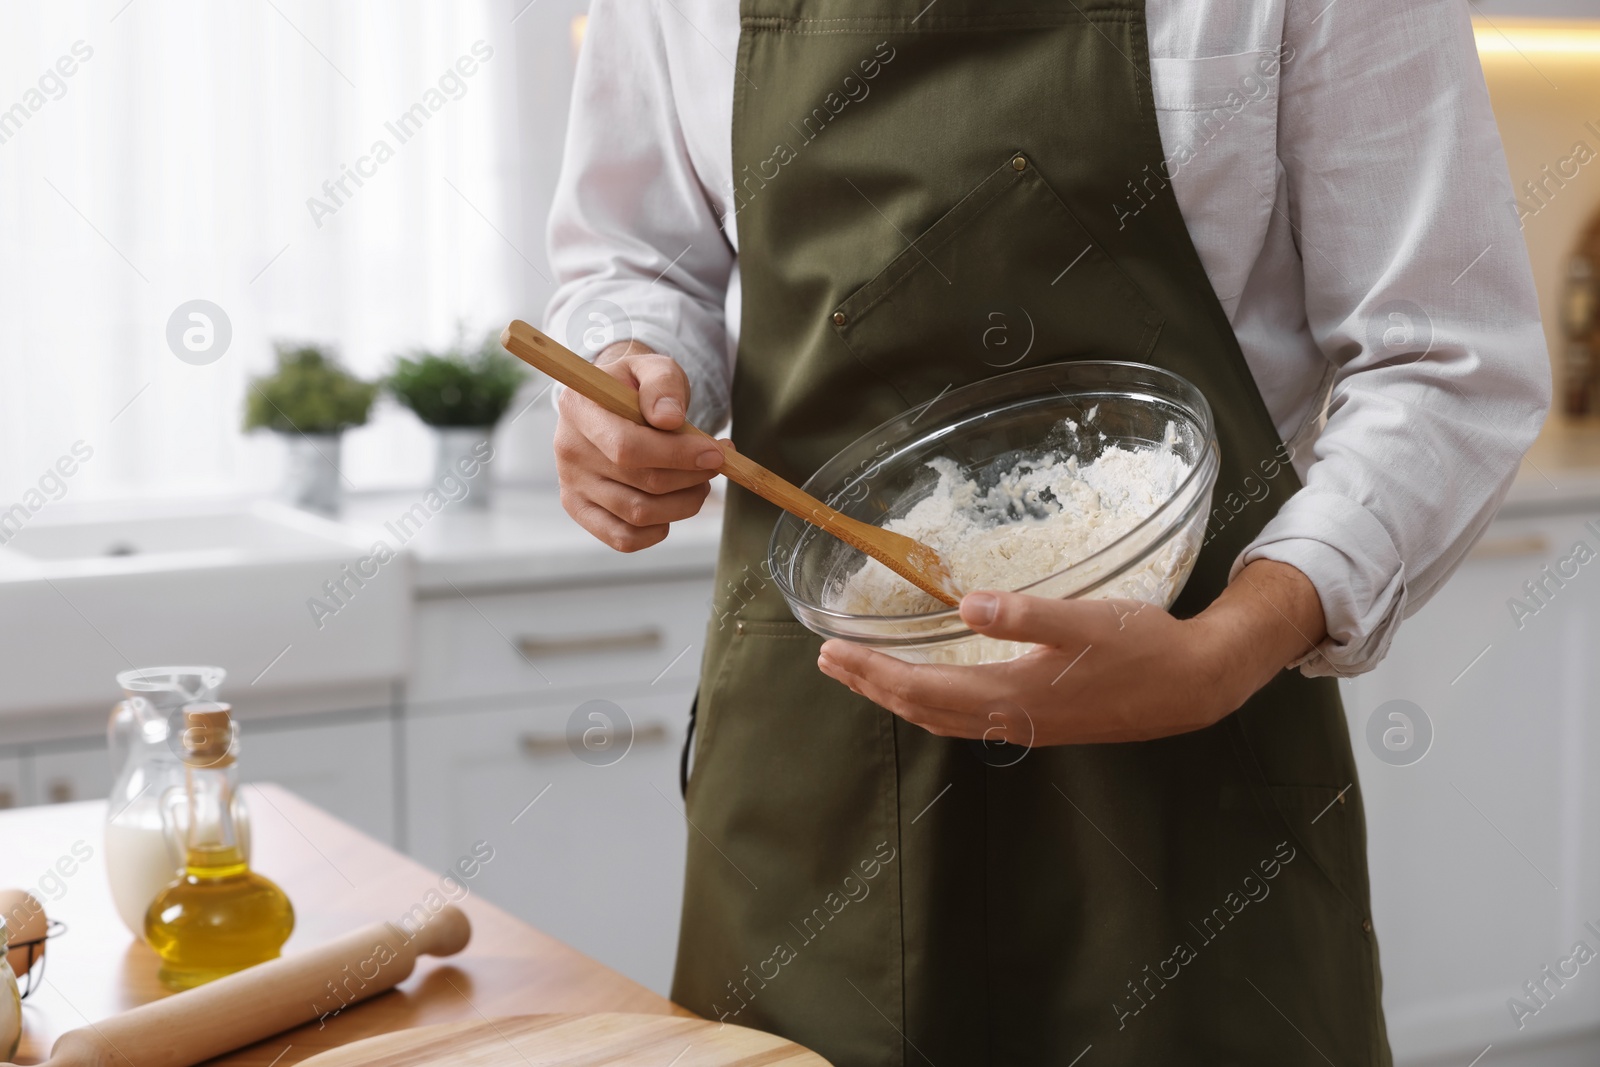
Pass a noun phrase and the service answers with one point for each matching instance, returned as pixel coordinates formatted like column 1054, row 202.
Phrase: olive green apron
column 886, row 896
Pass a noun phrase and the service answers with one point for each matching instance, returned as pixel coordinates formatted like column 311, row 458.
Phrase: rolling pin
column 263, row 1000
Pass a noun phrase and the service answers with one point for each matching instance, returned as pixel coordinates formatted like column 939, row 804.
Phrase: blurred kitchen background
column 171, row 208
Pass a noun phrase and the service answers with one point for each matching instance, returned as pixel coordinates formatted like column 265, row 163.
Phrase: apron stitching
column 988, row 931
column 1239, row 737
column 1155, row 335
column 708, row 713
column 1131, row 291
column 975, row 210
column 892, row 800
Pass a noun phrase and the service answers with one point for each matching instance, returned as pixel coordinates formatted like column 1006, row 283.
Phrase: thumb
column 663, row 391
column 1020, row 617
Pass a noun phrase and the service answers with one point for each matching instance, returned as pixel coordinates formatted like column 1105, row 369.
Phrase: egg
column 24, row 918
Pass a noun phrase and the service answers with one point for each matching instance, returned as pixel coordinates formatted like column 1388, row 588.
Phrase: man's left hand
column 1104, row 671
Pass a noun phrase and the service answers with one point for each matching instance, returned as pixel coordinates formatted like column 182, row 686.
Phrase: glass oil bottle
column 219, row 916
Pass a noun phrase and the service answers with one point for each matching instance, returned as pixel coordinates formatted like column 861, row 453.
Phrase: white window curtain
column 155, row 152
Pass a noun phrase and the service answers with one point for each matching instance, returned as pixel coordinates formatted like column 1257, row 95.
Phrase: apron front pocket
column 1290, row 922
column 950, row 309
column 1315, row 825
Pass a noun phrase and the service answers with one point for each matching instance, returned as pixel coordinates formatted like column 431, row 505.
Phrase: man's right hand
column 623, row 482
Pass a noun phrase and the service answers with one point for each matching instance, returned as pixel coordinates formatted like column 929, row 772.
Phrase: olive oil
column 220, row 916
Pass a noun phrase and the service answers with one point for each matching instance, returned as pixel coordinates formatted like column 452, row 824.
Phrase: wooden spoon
column 911, row 560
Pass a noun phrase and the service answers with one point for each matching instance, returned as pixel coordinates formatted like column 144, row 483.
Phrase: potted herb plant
column 310, row 400
column 462, row 394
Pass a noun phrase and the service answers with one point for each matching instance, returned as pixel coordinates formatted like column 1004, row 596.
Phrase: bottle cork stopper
column 208, row 734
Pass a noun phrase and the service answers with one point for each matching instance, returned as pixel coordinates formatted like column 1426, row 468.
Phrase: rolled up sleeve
column 1419, row 293
column 631, row 229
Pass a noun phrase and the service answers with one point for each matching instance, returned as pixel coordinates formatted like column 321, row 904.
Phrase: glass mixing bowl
column 1053, row 411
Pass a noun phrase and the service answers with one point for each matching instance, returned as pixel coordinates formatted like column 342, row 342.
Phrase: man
column 1301, row 208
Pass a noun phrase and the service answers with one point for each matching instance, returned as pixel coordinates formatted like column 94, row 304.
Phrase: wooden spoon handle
column 902, row 555
column 546, row 354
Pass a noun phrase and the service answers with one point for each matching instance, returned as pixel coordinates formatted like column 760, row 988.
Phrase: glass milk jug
column 143, row 835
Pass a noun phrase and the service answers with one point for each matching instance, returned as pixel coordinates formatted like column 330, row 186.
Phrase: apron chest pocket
column 1008, row 277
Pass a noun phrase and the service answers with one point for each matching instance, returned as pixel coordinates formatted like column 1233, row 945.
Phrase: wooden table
column 338, row 879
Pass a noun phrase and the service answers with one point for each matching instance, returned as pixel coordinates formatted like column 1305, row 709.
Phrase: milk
column 143, row 857
column 139, row 862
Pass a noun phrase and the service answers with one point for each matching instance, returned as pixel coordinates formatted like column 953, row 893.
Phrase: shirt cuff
column 1352, row 562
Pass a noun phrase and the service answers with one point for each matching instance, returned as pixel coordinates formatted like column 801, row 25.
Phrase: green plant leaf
column 456, row 387
column 308, row 393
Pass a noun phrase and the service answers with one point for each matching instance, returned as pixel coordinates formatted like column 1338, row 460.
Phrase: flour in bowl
column 1039, row 518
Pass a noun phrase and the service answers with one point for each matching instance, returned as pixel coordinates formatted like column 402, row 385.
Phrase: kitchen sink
column 279, row 597
column 236, row 535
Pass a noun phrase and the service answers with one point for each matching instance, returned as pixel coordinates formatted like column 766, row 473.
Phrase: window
column 366, row 174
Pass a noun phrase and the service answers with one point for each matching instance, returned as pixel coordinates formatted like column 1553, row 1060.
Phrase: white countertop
column 524, row 538
column 1561, row 471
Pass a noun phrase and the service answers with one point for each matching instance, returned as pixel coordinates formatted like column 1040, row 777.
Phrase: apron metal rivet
column 1019, row 163
column 838, row 318
column 738, row 627
column 1366, row 924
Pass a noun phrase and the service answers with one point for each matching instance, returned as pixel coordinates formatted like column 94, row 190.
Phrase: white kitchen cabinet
column 343, row 764
column 68, row 773
column 589, row 852
column 496, row 644
column 1485, row 854
column 11, row 782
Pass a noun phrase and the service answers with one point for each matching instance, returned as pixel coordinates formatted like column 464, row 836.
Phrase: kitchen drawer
column 62, row 775
column 547, row 640
column 590, row 850
column 11, row 782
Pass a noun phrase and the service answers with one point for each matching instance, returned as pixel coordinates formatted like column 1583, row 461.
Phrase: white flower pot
column 464, row 453
column 313, row 479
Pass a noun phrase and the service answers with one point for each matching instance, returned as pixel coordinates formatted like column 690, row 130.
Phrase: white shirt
column 1354, row 213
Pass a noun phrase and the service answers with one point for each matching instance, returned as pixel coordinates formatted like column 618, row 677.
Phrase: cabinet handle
column 582, row 644
column 59, row 791
column 1511, row 547
column 8, row 799
column 537, row 745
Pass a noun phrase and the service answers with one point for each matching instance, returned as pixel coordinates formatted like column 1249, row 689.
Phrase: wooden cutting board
column 611, row 1040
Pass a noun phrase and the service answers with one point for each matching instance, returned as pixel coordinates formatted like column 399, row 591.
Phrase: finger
column 607, row 527
column 663, row 390
column 627, row 444
column 577, row 456
column 656, row 480
column 939, row 721
column 996, row 722
column 1020, row 617
column 920, row 684
column 641, row 509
